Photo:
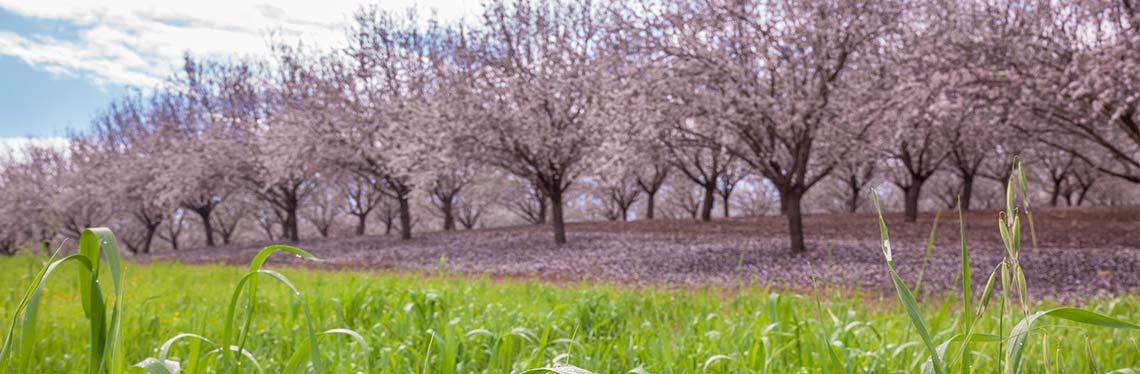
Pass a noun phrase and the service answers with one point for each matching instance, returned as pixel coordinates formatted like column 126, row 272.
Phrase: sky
column 62, row 61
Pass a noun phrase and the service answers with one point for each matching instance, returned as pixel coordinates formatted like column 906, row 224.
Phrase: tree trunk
column 361, row 221
column 1055, row 194
column 912, row 193
column 725, row 197
column 784, row 204
column 205, row 212
column 448, row 208
column 625, row 214
column 405, row 218
column 649, row 204
column 853, row 202
column 150, row 232
column 707, row 204
column 556, row 217
column 967, row 191
column 795, row 220
column 290, row 224
column 542, row 210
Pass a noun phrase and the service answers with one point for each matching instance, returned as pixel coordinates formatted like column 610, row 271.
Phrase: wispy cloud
column 14, row 147
column 139, row 42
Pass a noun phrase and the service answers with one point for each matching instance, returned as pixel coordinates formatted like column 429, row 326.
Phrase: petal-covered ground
column 1080, row 253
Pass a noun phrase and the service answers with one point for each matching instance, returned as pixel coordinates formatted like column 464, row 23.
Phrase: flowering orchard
column 546, row 112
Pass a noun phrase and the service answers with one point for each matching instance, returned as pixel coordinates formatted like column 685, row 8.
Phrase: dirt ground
column 1081, row 253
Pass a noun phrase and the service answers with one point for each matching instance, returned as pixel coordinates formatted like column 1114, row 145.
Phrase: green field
column 414, row 324
column 385, row 323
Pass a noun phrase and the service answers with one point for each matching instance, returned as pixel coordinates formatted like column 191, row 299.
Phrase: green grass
column 162, row 317
column 414, row 324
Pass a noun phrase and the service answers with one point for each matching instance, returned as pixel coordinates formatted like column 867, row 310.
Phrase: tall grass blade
column 315, row 355
column 966, row 293
column 910, row 305
column 1020, row 333
column 104, row 355
column 929, row 249
column 255, row 268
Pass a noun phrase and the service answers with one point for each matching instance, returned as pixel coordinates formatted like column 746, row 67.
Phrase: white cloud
column 138, row 42
column 14, row 147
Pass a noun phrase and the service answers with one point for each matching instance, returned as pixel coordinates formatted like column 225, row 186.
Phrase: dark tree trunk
column 150, row 231
column 556, row 216
column 405, row 218
column 725, row 197
column 1081, row 195
column 794, row 213
column 290, row 224
column 206, row 211
column 1055, row 194
column 151, row 226
column 967, row 191
column 649, row 204
column 856, row 190
column 541, row 210
column 625, row 214
column 361, row 222
column 448, row 207
column 707, row 203
column 912, row 193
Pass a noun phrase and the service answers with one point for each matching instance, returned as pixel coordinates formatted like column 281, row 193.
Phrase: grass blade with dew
column 30, row 297
column 566, row 369
column 906, row 298
column 310, row 329
column 94, row 240
column 104, row 354
column 254, row 268
column 161, row 365
column 295, row 362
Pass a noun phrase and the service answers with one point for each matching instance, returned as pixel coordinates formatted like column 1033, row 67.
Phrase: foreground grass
column 414, row 324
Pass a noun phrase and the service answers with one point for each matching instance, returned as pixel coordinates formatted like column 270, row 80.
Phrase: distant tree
column 1077, row 67
column 726, row 184
column 538, row 75
column 172, row 230
column 530, row 203
column 701, row 161
column 362, row 196
column 326, row 204
column 279, row 166
column 855, row 174
column 210, row 102
column 742, row 66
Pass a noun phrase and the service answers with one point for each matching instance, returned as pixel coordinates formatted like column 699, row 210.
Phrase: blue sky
column 37, row 103
column 61, row 61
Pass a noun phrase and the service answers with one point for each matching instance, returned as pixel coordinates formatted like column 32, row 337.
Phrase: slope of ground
column 1080, row 253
